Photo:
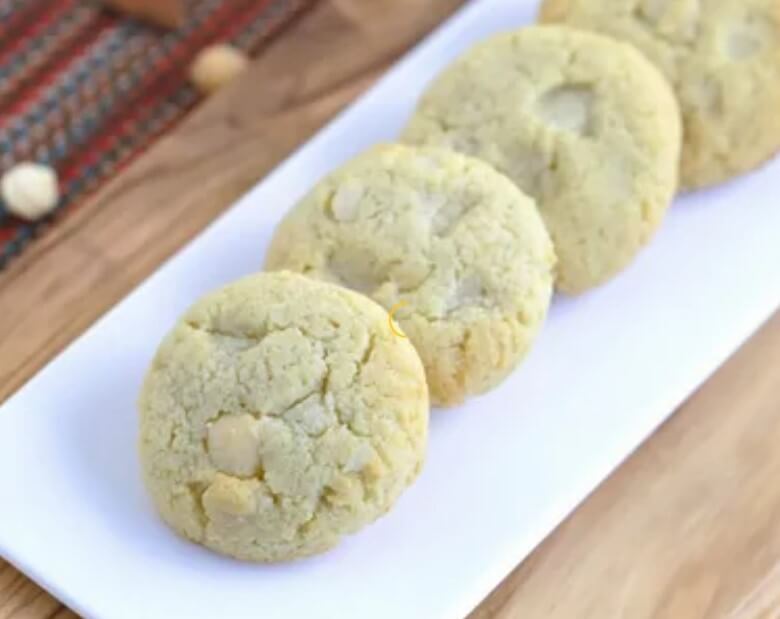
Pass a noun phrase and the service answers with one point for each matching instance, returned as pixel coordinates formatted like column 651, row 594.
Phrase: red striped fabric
column 85, row 90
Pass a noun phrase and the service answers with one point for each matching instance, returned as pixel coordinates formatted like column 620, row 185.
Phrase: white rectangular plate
column 503, row 470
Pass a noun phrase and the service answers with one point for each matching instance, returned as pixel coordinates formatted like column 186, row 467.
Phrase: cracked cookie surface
column 582, row 123
column 723, row 59
column 278, row 415
column 451, row 239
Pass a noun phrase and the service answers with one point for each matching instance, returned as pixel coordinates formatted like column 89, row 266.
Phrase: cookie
column 583, row 123
column 457, row 253
column 723, row 59
column 280, row 414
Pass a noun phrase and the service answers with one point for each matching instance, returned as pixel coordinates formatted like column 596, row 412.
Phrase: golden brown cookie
column 279, row 415
column 583, row 123
column 451, row 246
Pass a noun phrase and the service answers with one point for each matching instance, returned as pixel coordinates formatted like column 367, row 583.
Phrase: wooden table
column 686, row 528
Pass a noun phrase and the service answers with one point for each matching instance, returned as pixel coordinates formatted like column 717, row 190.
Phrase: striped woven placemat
column 85, row 90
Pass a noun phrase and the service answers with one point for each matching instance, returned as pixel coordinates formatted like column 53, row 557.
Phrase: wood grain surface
column 685, row 529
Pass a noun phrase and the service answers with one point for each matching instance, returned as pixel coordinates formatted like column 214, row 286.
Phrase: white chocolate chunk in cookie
column 233, row 444
column 568, row 108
